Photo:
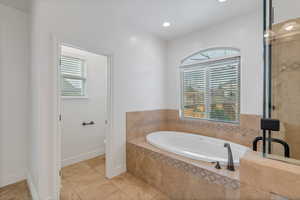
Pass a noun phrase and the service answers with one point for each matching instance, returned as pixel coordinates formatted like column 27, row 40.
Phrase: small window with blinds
column 211, row 86
column 73, row 76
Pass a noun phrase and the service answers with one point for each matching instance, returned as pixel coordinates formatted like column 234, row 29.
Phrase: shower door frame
column 268, row 15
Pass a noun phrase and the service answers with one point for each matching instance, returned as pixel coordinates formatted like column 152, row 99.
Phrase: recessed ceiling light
column 166, row 24
column 222, row 1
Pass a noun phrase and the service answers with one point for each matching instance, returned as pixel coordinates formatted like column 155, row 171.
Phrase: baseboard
column 82, row 157
column 9, row 179
column 32, row 188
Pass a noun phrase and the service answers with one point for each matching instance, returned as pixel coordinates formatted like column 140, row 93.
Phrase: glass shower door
column 282, row 97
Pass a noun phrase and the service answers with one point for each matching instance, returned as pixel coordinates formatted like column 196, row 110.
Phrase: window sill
column 74, row 97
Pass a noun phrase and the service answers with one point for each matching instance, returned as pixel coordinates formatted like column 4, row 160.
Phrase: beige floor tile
column 161, row 196
column 69, row 195
column 76, row 169
column 97, row 164
column 97, row 191
column 119, row 195
column 67, row 191
column 17, row 191
column 134, row 187
column 86, row 181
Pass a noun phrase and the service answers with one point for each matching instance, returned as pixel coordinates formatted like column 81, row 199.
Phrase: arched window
column 210, row 85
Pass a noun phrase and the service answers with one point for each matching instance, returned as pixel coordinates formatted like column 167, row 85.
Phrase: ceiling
column 185, row 16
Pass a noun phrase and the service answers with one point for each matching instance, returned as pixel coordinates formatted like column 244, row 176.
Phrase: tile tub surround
column 180, row 177
column 243, row 133
column 139, row 124
column 185, row 179
column 270, row 176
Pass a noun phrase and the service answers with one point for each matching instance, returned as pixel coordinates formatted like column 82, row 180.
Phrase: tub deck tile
column 201, row 169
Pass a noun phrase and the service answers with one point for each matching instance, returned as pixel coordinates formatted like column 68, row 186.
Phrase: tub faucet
column 230, row 165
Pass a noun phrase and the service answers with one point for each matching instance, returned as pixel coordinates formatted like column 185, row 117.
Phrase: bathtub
column 196, row 147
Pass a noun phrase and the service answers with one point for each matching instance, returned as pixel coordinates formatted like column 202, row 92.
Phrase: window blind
column 73, row 80
column 194, row 93
column 71, row 66
column 212, row 90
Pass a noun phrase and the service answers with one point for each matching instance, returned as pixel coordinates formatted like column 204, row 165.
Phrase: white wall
column 84, row 142
column 245, row 33
column 286, row 10
column 14, row 76
column 138, row 73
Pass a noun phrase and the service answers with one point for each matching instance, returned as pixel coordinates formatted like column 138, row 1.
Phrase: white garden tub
column 196, row 146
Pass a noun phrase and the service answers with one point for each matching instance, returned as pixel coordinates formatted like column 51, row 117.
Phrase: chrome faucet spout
column 230, row 165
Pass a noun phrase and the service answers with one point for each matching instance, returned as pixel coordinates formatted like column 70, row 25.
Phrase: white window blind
column 211, row 90
column 194, row 93
column 73, row 76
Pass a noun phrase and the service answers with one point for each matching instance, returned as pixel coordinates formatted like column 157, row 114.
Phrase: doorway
column 84, row 112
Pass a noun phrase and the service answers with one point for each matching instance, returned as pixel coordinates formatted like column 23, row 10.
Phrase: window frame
column 198, row 64
column 84, row 77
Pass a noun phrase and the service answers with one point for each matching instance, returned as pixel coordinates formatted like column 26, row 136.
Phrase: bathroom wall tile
column 285, row 86
column 251, row 193
column 231, row 194
column 138, row 124
column 250, row 121
column 270, row 175
column 131, row 156
column 174, row 182
column 199, row 189
column 177, row 177
column 241, row 134
column 149, row 169
column 197, row 168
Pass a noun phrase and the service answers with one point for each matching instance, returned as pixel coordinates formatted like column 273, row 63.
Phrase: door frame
column 57, row 125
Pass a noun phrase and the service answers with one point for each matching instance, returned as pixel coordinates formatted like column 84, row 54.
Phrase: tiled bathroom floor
column 86, row 181
column 17, row 191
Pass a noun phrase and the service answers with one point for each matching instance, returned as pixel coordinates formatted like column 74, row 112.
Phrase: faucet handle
column 218, row 166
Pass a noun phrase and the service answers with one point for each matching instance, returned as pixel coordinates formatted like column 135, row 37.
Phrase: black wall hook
column 88, row 124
